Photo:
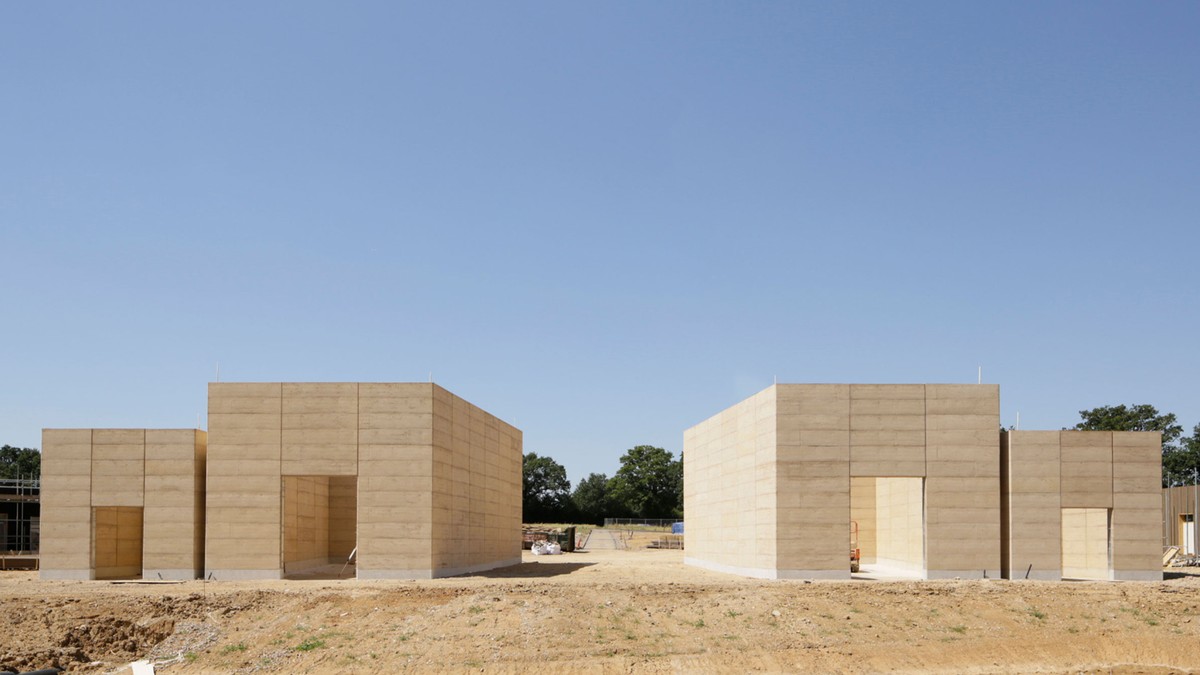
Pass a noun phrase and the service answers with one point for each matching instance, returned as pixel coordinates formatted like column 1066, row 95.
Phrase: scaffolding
column 20, row 518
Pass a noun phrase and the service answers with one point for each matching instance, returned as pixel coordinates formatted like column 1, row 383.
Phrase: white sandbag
column 545, row 548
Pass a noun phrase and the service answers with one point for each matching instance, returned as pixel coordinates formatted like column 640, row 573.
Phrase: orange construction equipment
column 855, row 552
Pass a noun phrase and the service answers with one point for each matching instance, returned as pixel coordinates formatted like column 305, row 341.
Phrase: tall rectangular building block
column 66, row 518
column 729, row 487
column 122, row 503
column 812, row 461
column 476, row 496
column 1082, row 504
column 417, row 481
column 772, row 484
column 1031, row 523
column 962, row 485
column 244, row 499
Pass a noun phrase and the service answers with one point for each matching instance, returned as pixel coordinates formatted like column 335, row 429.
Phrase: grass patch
column 732, row 614
column 1036, row 613
column 191, row 657
column 960, row 629
column 239, row 647
column 474, row 609
column 310, row 644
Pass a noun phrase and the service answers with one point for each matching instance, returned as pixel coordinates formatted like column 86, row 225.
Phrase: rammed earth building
column 926, row 483
column 413, row 480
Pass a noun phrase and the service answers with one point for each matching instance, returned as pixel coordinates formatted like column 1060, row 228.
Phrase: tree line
column 1181, row 454
column 648, row 484
column 25, row 463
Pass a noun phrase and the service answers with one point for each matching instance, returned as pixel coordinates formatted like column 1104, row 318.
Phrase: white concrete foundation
column 823, row 575
column 1037, row 575
column 962, row 574
column 1137, row 575
column 65, row 575
column 242, row 575
column 170, row 574
column 755, row 572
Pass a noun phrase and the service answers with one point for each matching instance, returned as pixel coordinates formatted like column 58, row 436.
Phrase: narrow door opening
column 1187, row 533
column 320, row 515
column 1086, row 549
column 889, row 515
column 117, row 542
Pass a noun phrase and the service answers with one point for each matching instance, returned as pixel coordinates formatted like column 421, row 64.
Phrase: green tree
column 593, row 499
column 649, row 483
column 1181, row 465
column 1144, row 417
column 1131, row 418
column 545, row 490
column 20, row 462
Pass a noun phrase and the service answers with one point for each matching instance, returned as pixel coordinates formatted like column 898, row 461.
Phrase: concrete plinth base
column 65, row 575
column 242, row 575
column 962, row 574
column 155, row 574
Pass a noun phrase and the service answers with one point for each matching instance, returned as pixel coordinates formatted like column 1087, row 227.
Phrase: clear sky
column 602, row 222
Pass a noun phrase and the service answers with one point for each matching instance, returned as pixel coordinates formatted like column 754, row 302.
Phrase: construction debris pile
column 1172, row 557
column 562, row 538
column 546, row 548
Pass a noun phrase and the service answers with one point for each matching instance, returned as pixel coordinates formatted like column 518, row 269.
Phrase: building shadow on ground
column 532, row 570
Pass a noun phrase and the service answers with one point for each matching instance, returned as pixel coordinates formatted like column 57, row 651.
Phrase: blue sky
column 602, row 222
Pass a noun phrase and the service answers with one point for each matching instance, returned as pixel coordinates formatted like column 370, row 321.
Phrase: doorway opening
column 320, row 516
column 889, row 512
column 117, row 542
column 1187, row 533
column 1086, row 543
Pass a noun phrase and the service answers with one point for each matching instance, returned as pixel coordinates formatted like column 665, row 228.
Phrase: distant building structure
column 122, row 503
column 924, row 481
column 406, row 479
column 20, row 522
column 1180, row 504
column 421, row 482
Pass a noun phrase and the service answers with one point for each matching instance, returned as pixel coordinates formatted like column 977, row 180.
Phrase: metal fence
column 647, row 523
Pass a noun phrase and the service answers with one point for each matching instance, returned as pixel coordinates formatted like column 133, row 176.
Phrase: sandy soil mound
column 605, row 611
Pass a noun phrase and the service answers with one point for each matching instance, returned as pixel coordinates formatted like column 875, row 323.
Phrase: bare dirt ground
column 616, row 611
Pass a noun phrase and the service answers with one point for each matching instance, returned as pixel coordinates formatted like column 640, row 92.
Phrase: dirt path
column 602, row 539
column 604, row 611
